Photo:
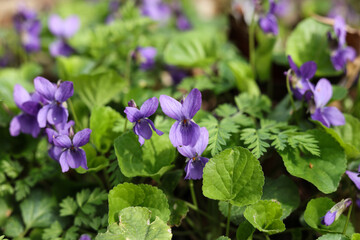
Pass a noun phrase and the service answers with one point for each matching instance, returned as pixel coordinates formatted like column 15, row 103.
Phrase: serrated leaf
column 244, row 231
column 131, row 195
column 255, row 139
column 151, row 159
column 13, row 227
column 325, row 171
column 233, row 175
column 82, row 197
column 265, row 216
column 68, row 207
column 219, row 132
column 71, row 233
column 284, row 191
column 223, row 238
column 355, row 236
column 316, row 209
column 37, row 210
column 22, row 189
column 135, row 223
column 52, row 232
column 255, row 106
column 97, row 196
column 330, row 236
column 179, row 210
column 225, row 110
column 11, row 168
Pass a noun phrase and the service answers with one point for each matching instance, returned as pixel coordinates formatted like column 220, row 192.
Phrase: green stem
column 267, row 237
column 193, row 196
column 228, row 219
column 128, row 67
column 78, row 123
column 290, row 92
column 252, row 45
column 125, row 125
column 347, row 220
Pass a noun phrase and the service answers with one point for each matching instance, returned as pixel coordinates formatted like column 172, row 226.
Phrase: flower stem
column 193, row 196
column 290, row 92
column 347, row 220
column 252, row 45
column 128, row 67
column 228, row 219
column 78, row 123
column 267, row 237
column 125, row 125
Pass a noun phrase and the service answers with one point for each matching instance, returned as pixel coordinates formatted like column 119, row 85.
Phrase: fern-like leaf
column 256, row 140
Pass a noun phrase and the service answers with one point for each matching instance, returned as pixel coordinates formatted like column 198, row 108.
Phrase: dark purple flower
column 143, row 125
column 72, row 155
column 300, row 82
column 326, row 115
column 113, row 9
column 195, row 163
column 146, row 57
column 60, row 129
column 54, row 95
column 28, row 27
column 183, row 23
column 177, row 74
column 60, row 48
column 184, row 131
column 358, row 200
column 26, row 122
column 335, row 212
column 156, row 10
column 342, row 53
column 85, row 237
column 268, row 23
column 355, row 177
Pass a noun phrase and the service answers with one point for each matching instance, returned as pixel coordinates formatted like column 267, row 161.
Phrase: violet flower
column 28, row 27
column 355, row 177
column 184, row 131
column 177, row 74
column 54, row 95
column 63, row 29
column 182, row 22
column 156, row 10
column 85, row 237
column 113, row 9
column 341, row 54
column 300, row 82
column 268, row 23
column 72, row 155
column 60, row 129
column 146, row 57
column 335, row 212
column 25, row 122
column 195, row 163
column 326, row 115
column 143, row 125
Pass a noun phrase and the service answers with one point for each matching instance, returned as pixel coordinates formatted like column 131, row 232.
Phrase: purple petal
column 63, row 129
column 149, row 107
column 187, row 151
column 269, row 24
column 308, row 70
column 133, row 114
column 333, row 116
column 293, row 66
column 45, row 88
column 42, row 116
column 194, row 169
column 31, row 108
column 141, row 140
column 172, row 134
column 57, row 114
column 153, row 127
column 171, row 107
column 183, row 23
column 63, row 161
column 27, row 123
column 340, row 57
column 55, row 152
column 71, row 26
column 202, row 142
column 192, row 104
column 340, row 29
column 82, row 137
column 85, row 237
column 56, row 25
column 329, row 218
column 147, row 57
column 51, row 134
column 318, row 116
column 143, row 129
column 64, row 91
column 15, row 126
column 322, row 92
column 20, row 96
column 83, row 162
column 354, row 177
column 188, row 134
column 60, row 48
column 62, row 141
column 74, row 158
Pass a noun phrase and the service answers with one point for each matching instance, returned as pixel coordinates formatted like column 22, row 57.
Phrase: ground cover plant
column 166, row 119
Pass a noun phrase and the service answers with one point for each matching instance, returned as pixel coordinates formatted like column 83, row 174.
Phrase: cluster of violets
column 189, row 138
column 268, row 22
column 46, row 109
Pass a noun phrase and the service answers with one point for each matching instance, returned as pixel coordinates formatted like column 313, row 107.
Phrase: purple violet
column 60, row 129
column 268, row 23
column 156, row 10
column 145, row 56
column 335, row 212
column 355, row 177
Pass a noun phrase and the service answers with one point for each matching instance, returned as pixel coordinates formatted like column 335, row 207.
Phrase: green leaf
column 223, row 238
column 95, row 163
column 37, row 210
column 316, row 209
column 102, row 120
column 136, row 223
column 179, row 210
column 244, row 231
column 70, row 67
column 284, row 191
column 333, row 237
column 308, row 42
column 225, row 110
column 255, row 139
column 265, row 216
column 219, row 132
column 339, row 93
column 325, row 171
column 191, row 49
column 131, row 195
column 233, row 175
column 5, row 211
column 237, row 213
column 54, row 231
column 355, row 236
column 255, row 106
column 244, row 77
column 154, row 158
column 98, row 89
column 13, row 227
column 22, row 189
column 11, row 168
column 68, row 207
